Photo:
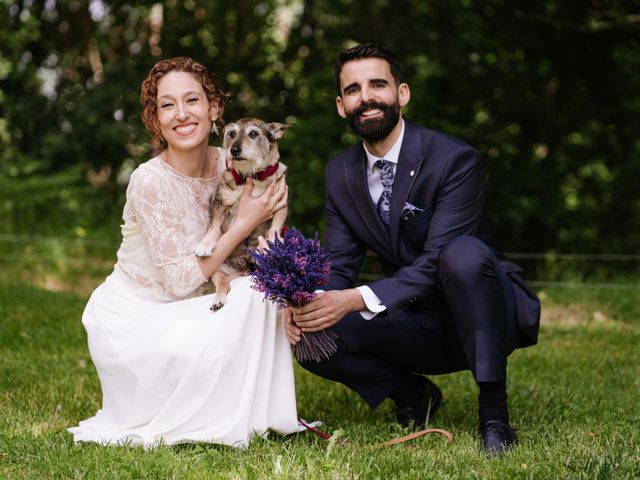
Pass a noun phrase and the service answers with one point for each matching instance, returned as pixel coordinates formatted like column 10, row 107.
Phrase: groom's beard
column 374, row 130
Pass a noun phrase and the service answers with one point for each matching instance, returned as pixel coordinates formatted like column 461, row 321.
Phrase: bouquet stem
column 315, row 346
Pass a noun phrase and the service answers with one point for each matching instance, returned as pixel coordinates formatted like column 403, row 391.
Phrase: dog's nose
column 235, row 150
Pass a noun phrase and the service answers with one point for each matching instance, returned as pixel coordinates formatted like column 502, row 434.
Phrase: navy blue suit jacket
column 437, row 173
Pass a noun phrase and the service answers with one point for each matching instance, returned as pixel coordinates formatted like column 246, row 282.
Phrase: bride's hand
column 262, row 245
column 254, row 211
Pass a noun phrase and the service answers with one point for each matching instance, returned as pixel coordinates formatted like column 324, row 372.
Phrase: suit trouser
column 468, row 323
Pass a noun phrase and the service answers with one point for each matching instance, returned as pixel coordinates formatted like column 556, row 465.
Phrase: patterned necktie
column 384, row 202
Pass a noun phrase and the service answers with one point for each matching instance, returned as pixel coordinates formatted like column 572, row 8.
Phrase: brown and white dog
column 251, row 150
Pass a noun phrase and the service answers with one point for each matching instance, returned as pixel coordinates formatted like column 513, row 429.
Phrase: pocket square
column 410, row 210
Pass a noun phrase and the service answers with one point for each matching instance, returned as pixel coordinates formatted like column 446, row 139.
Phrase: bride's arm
column 152, row 206
column 251, row 213
column 162, row 226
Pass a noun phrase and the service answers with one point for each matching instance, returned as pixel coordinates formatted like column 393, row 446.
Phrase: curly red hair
column 149, row 92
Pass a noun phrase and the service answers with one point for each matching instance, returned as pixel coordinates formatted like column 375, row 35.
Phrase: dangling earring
column 214, row 127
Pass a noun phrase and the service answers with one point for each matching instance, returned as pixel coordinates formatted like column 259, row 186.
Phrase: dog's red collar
column 264, row 174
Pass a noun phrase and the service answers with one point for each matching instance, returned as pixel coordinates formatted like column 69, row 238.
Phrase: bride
column 171, row 371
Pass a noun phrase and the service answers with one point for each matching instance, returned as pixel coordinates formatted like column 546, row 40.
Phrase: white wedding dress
column 171, row 370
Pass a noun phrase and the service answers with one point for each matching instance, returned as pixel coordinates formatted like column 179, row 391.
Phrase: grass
column 574, row 398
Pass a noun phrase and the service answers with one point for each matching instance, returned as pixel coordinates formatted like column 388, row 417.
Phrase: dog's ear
column 277, row 130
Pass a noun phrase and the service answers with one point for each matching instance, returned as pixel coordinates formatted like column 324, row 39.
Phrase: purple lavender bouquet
column 288, row 273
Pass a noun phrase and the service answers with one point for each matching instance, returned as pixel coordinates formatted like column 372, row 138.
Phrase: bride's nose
column 183, row 112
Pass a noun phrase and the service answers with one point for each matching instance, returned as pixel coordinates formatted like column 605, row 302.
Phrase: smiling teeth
column 368, row 113
column 186, row 129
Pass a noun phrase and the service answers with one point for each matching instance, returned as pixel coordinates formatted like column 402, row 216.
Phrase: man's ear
column 404, row 94
column 277, row 130
column 340, row 107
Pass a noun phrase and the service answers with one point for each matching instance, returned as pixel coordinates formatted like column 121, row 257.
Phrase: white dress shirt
column 371, row 300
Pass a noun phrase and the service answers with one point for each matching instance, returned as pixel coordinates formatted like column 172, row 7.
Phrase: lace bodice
column 165, row 215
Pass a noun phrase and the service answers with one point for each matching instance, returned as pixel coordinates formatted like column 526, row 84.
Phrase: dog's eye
column 231, row 134
column 253, row 134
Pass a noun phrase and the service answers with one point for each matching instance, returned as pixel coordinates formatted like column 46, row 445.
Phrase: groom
column 448, row 301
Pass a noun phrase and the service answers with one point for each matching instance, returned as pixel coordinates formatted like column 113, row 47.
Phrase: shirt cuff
column 372, row 302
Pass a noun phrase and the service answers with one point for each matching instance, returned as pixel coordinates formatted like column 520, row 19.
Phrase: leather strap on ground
column 394, row 441
column 411, row 436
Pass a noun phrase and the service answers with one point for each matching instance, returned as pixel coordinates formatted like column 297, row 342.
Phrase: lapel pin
column 411, row 173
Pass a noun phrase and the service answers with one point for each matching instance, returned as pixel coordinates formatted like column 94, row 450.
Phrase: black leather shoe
column 417, row 413
column 497, row 437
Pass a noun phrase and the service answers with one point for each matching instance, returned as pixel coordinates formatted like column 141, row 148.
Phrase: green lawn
column 574, row 399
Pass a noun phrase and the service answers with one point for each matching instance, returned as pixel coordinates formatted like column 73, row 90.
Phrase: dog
column 251, row 150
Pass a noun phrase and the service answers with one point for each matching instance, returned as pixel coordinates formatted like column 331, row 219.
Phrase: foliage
column 548, row 91
column 570, row 424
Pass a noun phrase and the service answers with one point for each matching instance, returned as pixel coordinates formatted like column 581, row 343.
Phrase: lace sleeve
column 160, row 221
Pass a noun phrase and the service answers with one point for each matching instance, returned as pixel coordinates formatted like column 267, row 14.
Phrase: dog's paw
column 204, row 249
column 219, row 300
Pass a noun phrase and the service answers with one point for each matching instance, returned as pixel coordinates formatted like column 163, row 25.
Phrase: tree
column 549, row 92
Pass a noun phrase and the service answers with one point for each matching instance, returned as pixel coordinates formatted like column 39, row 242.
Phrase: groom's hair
column 369, row 50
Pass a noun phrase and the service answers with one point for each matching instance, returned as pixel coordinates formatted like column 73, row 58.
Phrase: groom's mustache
column 368, row 106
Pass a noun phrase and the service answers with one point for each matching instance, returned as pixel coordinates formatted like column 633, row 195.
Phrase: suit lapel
column 409, row 164
column 356, row 175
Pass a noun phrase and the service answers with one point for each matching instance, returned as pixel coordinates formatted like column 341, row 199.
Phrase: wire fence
column 19, row 249
column 10, row 238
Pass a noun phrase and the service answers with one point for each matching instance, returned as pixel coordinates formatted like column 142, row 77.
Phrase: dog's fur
column 250, row 147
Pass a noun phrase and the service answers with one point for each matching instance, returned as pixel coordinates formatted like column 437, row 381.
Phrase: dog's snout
column 235, row 150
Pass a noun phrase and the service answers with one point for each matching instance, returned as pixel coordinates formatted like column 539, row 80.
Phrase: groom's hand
column 327, row 310
column 290, row 328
